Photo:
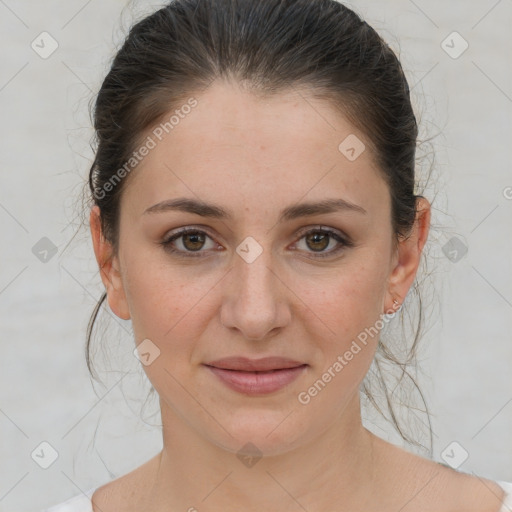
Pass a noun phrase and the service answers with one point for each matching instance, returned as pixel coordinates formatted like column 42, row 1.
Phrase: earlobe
column 108, row 264
column 407, row 257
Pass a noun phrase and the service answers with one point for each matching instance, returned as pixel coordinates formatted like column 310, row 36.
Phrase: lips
column 255, row 365
column 256, row 376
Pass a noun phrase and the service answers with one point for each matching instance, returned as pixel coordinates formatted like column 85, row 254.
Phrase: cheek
column 168, row 310
column 168, row 305
column 349, row 301
column 351, row 307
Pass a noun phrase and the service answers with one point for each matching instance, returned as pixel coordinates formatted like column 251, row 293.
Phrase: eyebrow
column 294, row 211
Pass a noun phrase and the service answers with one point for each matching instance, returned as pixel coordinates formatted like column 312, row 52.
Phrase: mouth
column 256, row 376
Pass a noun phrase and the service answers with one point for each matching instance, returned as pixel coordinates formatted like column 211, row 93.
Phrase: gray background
column 101, row 432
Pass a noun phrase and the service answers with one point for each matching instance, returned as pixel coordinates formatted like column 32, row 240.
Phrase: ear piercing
column 396, row 306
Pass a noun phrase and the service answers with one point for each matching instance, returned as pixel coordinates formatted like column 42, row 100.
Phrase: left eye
column 319, row 239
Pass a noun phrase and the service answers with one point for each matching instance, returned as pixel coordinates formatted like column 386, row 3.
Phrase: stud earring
column 396, row 307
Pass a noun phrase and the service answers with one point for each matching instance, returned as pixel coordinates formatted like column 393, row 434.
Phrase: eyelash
column 167, row 242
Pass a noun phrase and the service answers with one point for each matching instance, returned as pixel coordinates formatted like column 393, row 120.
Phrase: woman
column 254, row 215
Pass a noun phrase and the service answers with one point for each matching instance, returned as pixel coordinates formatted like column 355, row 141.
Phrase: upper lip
column 255, row 365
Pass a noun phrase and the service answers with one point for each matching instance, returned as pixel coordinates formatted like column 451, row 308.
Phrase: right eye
column 186, row 242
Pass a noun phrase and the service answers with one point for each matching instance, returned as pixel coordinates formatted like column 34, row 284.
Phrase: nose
column 255, row 301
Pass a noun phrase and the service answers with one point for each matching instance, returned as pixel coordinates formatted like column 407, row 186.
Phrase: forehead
column 248, row 149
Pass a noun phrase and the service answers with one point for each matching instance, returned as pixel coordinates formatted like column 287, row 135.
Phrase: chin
column 260, row 434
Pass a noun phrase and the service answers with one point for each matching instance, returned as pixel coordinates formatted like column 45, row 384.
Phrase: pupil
column 323, row 238
column 196, row 239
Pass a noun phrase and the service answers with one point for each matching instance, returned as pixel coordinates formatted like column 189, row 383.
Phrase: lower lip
column 257, row 383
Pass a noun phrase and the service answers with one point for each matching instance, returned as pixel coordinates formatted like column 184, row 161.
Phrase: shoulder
column 115, row 495
column 423, row 484
column 451, row 489
column 476, row 493
column 123, row 493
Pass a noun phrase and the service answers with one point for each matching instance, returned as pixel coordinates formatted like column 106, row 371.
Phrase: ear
column 108, row 263
column 408, row 256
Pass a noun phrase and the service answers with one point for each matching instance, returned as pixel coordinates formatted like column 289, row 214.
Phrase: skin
column 256, row 157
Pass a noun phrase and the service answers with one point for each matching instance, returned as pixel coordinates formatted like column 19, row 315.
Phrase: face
column 255, row 275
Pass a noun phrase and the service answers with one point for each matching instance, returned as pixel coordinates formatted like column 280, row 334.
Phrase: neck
column 333, row 471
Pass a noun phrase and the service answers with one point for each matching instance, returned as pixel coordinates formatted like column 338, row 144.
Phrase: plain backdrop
column 49, row 281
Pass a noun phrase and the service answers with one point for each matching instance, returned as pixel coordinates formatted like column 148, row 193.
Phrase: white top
column 83, row 503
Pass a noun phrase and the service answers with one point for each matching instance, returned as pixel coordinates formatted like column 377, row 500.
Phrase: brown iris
column 196, row 241
column 315, row 238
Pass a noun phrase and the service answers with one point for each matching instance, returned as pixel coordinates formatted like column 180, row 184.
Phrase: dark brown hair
column 268, row 47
